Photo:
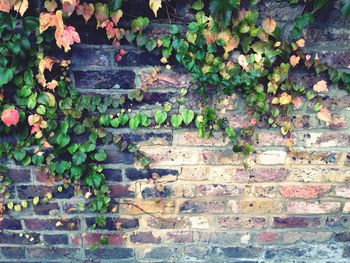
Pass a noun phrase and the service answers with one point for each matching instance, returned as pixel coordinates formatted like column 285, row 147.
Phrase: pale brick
column 343, row 191
column 267, row 237
column 325, row 139
column 304, row 191
column 233, row 206
column 221, row 156
column 192, row 138
column 199, row 222
column 261, row 175
column 265, row 191
column 220, row 190
column 311, row 236
column 195, row 173
column 271, row 157
column 259, row 206
column 242, row 222
column 167, row 79
column 147, row 206
column 313, row 208
column 221, row 173
column 312, row 157
column 271, row 138
column 170, row 155
column 346, row 208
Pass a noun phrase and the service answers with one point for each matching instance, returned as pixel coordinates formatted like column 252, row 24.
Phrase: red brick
column 119, row 191
column 261, row 175
column 94, row 238
column 296, row 222
column 267, row 237
column 313, row 208
column 242, row 222
column 304, row 191
column 45, row 178
column 50, row 224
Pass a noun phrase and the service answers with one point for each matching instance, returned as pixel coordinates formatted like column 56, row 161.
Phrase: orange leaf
column 68, row 38
column 231, row 41
column 297, row 102
column 101, row 13
column 46, row 20
column 294, row 60
column 69, row 6
column 6, row 5
column 10, row 117
column 325, row 115
column 269, row 25
column 300, row 42
column 86, row 10
column 52, row 85
column 321, row 86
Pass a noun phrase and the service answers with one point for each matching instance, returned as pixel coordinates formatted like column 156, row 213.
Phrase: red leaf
column 10, row 117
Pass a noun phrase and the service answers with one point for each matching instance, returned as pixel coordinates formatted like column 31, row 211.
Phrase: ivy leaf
column 325, row 115
column 47, row 99
column 21, row 6
column 320, row 86
column 79, row 158
column 150, row 44
column 10, row 117
column 176, row 121
column 160, row 117
column 187, row 116
column 198, row 5
column 6, row 5
column 155, row 5
column 269, row 25
column 100, row 155
column 134, row 123
column 35, row 200
column 285, row 98
column 294, row 60
column 6, row 75
column 50, row 5
column 86, row 10
column 114, row 5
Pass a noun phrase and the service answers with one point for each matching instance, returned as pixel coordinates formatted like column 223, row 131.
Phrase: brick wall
column 289, row 207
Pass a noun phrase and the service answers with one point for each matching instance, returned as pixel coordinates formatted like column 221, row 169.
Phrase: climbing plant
column 227, row 48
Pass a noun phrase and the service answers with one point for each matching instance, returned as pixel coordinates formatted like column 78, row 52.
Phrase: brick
column 114, row 223
column 88, row 239
column 271, row 138
column 154, row 254
column 120, row 191
column 114, row 157
column 267, row 237
column 280, row 11
column 113, row 175
column 312, row 157
column 342, row 191
column 197, row 173
column 342, row 237
column 242, row 222
column 346, row 208
column 192, row 138
column 337, row 222
column 312, row 236
column 221, row 173
column 147, row 206
column 168, row 222
column 109, row 253
column 312, row 208
column 59, row 239
column 45, row 178
column 144, row 238
column 163, row 138
column 170, row 155
column 220, row 190
column 192, row 206
column 199, row 222
column 237, row 252
column 221, row 156
column 279, row 253
column 296, row 222
column 51, row 253
column 84, row 57
column 46, row 208
column 261, row 175
column 179, row 237
column 325, row 139
column 218, row 237
column 136, row 174
column 15, row 238
column 259, row 206
column 138, row 58
column 304, row 191
column 10, row 224
column 48, row 224
column 157, row 191
column 271, row 157
column 13, row 252
column 238, row 120
column 107, row 79
column 167, row 80
column 30, row 191
column 19, row 175
column 265, row 191
column 196, row 252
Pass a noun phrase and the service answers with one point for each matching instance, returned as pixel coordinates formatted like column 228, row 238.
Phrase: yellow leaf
column 21, row 6
column 36, row 200
column 10, row 205
column 325, row 115
column 321, row 86
column 242, row 60
column 50, row 5
column 231, row 41
column 24, row 203
column 275, row 100
column 155, row 5
column 17, row 208
column 269, row 25
column 285, row 98
column 294, row 60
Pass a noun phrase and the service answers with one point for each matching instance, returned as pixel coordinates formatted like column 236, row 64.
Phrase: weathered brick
column 295, row 252
column 170, row 155
column 185, row 138
column 259, row 206
column 199, row 222
column 312, row 208
column 19, row 175
column 136, row 174
column 261, row 175
column 15, row 238
column 192, row 206
column 89, row 239
column 196, row 252
column 342, row 237
column 109, row 253
column 221, row 156
column 271, row 157
column 46, row 208
column 346, row 208
column 325, row 139
column 179, row 237
column 312, row 157
column 137, row 58
column 147, row 206
column 107, row 79
column 42, row 176
column 52, row 253
column 237, row 252
column 10, row 224
column 13, row 252
column 113, row 175
column 30, row 191
column 144, row 237
column 84, row 57
column 265, row 191
column 167, row 80
column 271, row 138
column 342, row 191
column 267, row 237
column 120, row 191
column 157, row 191
column 56, row 239
column 296, row 222
column 48, row 224
column 167, row 254
column 337, row 222
column 197, row 173
column 242, row 222
column 168, row 222
column 221, row 173
column 220, row 190
column 312, row 236
column 161, row 138
column 114, row 223
column 304, row 191
column 218, row 237
column 114, row 156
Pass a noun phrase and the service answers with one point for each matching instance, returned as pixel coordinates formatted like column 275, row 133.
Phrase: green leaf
column 114, row 5
column 134, row 123
column 231, row 134
column 176, row 121
column 100, row 155
column 19, row 154
column 198, row 5
column 160, row 117
column 47, row 99
column 150, row 44
column 6, row 75
column 79, row 158
column 115, row 123
column 187, row 116
column 174, row 29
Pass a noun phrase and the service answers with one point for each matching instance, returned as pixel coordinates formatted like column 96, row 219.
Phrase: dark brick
column 42, row 224
column 179, row 237
column 237, row 252
column 30, row 191
column 285, row 252
column 153, row 192
column 56, row 239
column 149, row 98
column 139, row 58
column 110, row 79
column 346, row 252
column 46, row 208
column 342, row 237
column 53, row 253
column 144, row 237
column 109, row 253
column 113, row 175
column 135, row 174
column 12, row 238
column 113, row 224
column 114, row 156
column 338, row 222
column 119, row 191
column 10, row 224
column 13, row 252
column 295, row 222
column 90, row 57
column 165, row 137
column 19, row 175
